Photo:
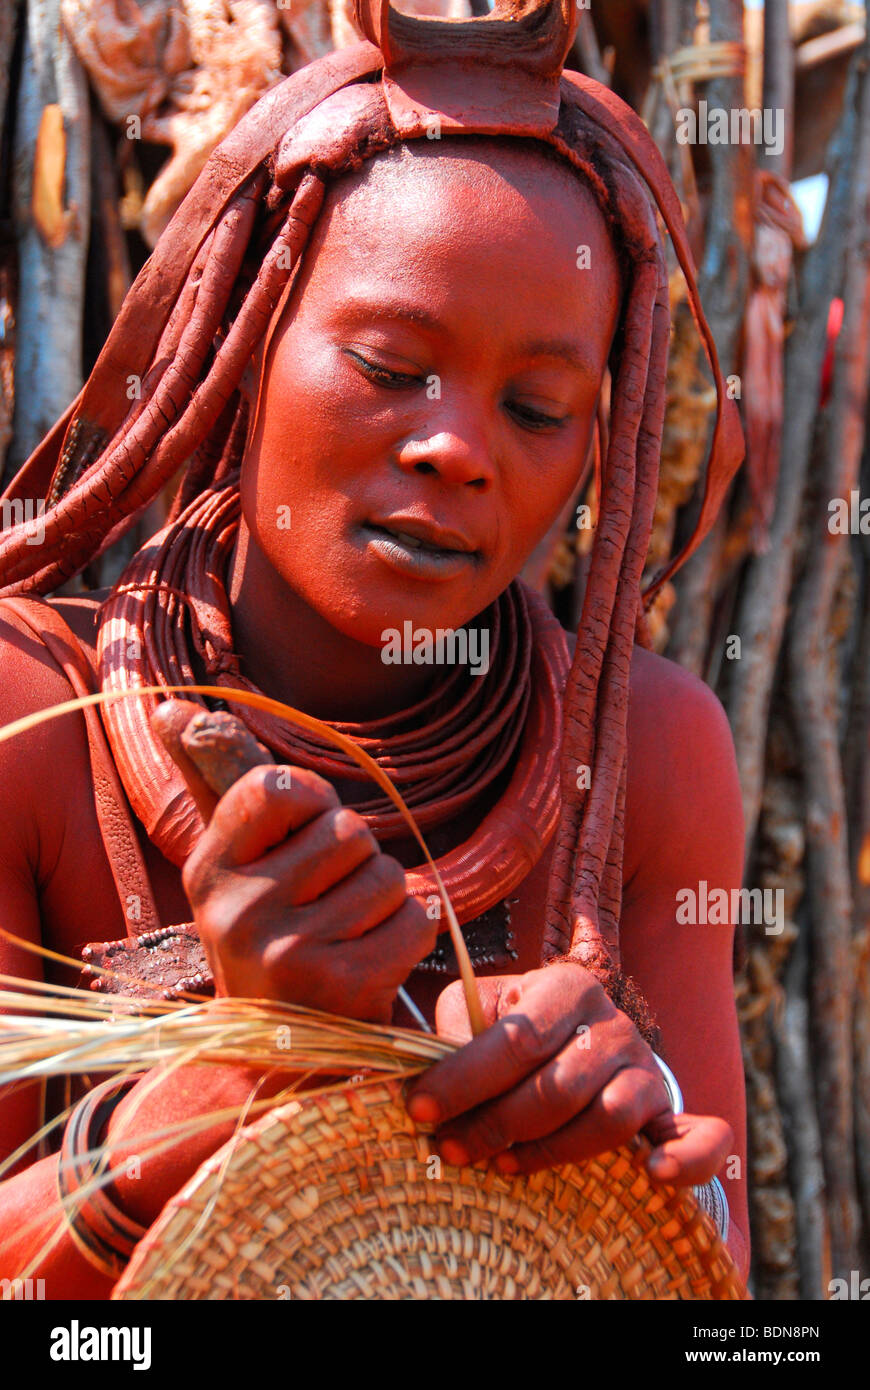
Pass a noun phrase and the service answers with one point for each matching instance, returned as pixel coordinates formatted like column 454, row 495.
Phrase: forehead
column 508, row 173
column 467, row 207
column 481, row 234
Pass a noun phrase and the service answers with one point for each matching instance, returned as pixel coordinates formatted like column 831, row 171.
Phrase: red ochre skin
column 479, row 461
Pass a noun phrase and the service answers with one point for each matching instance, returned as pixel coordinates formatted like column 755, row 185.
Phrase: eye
column 535, row 419
column 380, row 374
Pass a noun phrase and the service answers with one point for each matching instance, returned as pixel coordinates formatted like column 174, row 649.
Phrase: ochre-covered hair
column 223, row 269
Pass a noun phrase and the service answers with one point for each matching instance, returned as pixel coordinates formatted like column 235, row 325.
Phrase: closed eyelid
column 380, row 355
column 374, row 356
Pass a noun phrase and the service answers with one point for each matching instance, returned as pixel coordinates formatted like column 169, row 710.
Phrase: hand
column 294, row 900
column 560, row 1076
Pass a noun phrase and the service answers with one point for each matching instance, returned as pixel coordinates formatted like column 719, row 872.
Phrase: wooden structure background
column 108, row 109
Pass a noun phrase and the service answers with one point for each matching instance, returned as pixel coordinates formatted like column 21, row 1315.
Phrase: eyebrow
column 558, row 347
column 401, row 311
column 398, row 311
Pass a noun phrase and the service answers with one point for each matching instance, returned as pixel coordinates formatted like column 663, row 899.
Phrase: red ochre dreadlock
column 107, row 458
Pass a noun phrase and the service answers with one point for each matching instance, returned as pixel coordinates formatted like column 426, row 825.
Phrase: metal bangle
column 712, row 1198
column 675, row 1095
column 100, row 1230
column 709, row 1195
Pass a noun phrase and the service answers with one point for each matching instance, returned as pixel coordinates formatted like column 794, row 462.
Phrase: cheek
column 303, row 445
column 537, row 496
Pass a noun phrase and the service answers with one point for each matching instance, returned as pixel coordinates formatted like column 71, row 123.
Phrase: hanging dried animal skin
column 187, row 69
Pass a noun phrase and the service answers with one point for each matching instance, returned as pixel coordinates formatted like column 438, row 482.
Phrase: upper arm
column 684, row 822
column 34, row 771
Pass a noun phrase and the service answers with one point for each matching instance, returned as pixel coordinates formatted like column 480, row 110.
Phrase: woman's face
column 429, row 394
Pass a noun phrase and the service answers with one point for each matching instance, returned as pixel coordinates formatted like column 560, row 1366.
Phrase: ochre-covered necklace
column 170, row 614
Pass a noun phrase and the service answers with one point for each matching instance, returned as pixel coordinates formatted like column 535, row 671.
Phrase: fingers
column 320, row 855
column 257, row 813
column 451, row 1010
column 616, row 1114
column 361, row 978
column 693, row 1152
column 169, row 722
column 366, row 898
column 542, row 1104
column 403, row 940
column 517, row 1044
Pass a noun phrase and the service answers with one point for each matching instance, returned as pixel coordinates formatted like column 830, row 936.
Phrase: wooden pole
column 815, row 681
column 723, row 281
column 51, row 208
column 763, row 603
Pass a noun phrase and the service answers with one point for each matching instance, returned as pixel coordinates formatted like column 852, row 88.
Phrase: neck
column 339, row 679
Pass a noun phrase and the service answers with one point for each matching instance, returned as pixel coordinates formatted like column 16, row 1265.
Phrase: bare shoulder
column 31, row 679
column 683, row 802
column 667, row 700
column 80, row 612
column 683, row 793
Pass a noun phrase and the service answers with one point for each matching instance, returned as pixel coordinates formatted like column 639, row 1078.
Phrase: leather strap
column 113, row 813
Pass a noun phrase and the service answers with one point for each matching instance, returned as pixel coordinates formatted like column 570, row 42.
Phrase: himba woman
column 369, row 351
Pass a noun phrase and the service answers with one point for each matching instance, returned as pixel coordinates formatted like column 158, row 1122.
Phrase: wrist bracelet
column 709, row 1195
column 101, row 1231
column 675, row 1095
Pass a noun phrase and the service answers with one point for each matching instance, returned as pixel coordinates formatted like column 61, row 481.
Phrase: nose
column 457, row 458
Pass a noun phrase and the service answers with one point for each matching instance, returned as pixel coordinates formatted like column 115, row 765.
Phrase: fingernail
column 506, row 1163
column 663, row 1165
column 454, row 1152
column 424, row 1109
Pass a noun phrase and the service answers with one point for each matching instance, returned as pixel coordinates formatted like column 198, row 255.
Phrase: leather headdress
column 497, row 74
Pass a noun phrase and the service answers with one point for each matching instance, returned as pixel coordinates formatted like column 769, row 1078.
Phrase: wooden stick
column 763, row 604
column 815, row 700
column 794, row 1084
column 53, row 101
column 827, row 46
column 723, row 282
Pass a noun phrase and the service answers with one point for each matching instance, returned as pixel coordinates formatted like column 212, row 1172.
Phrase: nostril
column 424, row 467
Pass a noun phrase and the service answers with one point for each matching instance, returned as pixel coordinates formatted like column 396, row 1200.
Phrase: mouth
column 420, row 548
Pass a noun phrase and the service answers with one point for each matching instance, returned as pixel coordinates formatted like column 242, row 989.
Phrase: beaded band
column 101, row 1231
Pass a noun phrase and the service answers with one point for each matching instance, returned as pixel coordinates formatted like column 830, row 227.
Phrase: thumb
column 498, row 995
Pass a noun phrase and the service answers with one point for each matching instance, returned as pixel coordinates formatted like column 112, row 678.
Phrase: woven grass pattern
column 329, row 1198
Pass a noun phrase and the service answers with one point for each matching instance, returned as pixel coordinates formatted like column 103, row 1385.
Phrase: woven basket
column 339, row 1197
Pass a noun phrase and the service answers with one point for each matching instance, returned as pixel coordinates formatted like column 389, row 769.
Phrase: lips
column 420, row 549
column 424, row 535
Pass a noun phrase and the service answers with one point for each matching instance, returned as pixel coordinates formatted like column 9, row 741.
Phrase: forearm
column 738, row 1246
column 35, row 1237
column 35, row 1234
column 144, row 1181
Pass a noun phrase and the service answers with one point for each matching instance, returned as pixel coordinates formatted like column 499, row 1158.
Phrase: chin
column 367, row 614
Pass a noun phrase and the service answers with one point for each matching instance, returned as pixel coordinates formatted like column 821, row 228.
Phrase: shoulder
column 673, row 714
column 683, row 801
column 30, row 674
column 31, row 679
